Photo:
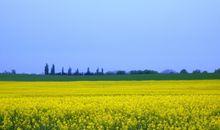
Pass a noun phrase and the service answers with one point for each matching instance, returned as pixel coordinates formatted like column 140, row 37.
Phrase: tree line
column 48, row 71
column 51, row 71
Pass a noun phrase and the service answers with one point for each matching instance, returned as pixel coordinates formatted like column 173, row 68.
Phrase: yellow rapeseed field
column 97, row 105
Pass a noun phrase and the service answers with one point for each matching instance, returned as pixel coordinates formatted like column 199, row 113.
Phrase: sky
column 113, row 34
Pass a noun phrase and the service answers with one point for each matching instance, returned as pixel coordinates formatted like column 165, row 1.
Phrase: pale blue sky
column 113, row 34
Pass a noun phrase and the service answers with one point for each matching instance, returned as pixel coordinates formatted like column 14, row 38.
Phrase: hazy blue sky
column 114, row 34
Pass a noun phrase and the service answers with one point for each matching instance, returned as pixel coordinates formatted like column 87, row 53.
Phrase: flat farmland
column 100, row 105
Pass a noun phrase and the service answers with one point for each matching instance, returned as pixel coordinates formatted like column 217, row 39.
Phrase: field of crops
column 110, row 105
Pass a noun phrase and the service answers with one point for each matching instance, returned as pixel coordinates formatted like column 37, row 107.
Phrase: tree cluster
column 52, row 71
column 9, row 72
column 143, row 72
column 48, row 71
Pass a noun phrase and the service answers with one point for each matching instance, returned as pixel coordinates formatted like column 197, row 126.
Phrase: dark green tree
column 46, row 69
column 121, row 72
column 70, row 71
column 205, row 72
column 88, row 72
column 102, row 71
column 183, row 71
column 62, row 73
column 137, row 72
column 13, row 71
column 143, row 72
column 97, row 71
column 150, row 72
column 77, row 72
column 217, row 71
column 52, row 70
column 196, row 71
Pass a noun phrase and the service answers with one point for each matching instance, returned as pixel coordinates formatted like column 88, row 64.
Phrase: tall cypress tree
column 46, row 69
column 53, row 70
column 70, row 71
column 63, row 73
column 102, row 71
column 77, row 72
column 88, row 71
column 97, row 71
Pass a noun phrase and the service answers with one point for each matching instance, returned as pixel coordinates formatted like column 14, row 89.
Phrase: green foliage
column 183, row 71
column 217, row 71
column 196, row 71
column 70, row 71
column 46, row 69
column 78, row 77
column 53, row 70
column 143, row 72
column 120, row 72
column 63, row 72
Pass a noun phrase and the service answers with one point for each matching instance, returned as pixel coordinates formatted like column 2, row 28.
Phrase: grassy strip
column 26, row 77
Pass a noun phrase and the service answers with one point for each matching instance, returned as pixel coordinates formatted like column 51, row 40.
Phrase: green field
column 111, row 105
column 26, row 77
